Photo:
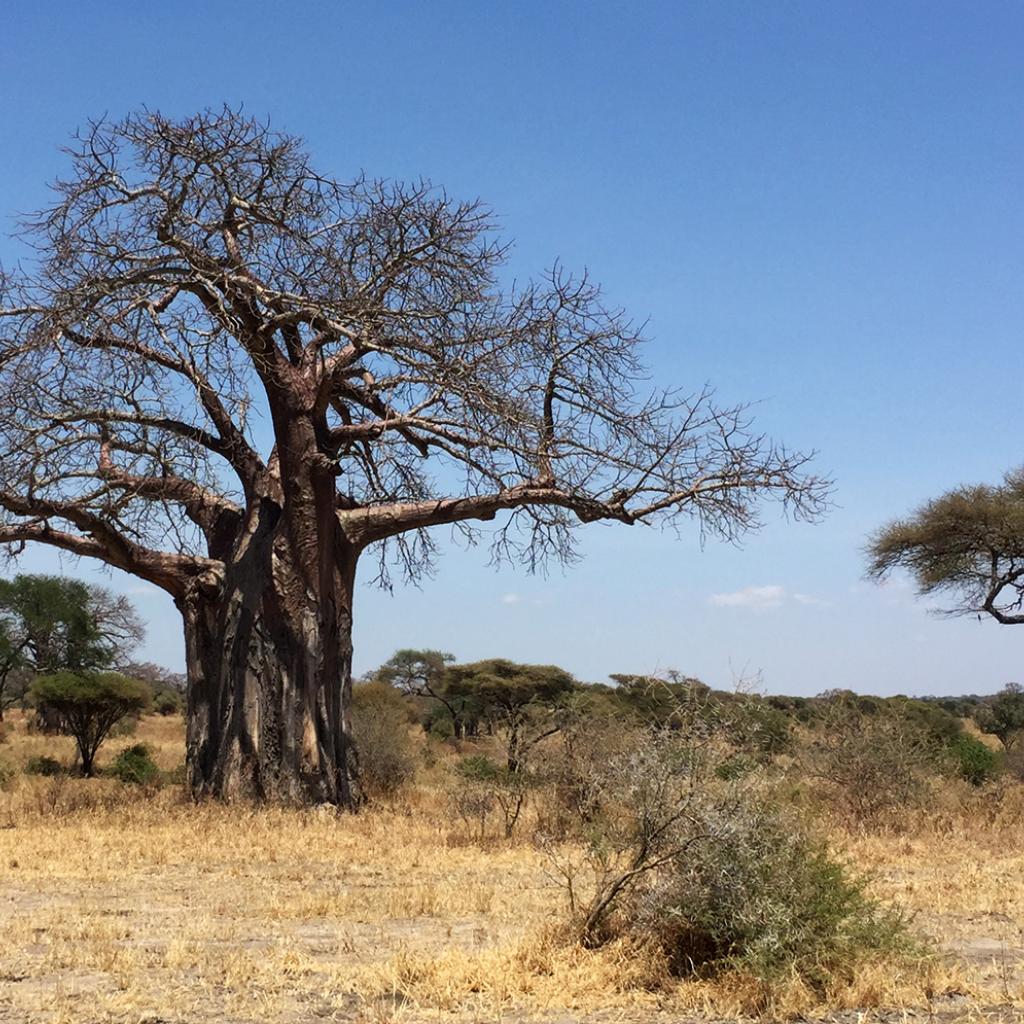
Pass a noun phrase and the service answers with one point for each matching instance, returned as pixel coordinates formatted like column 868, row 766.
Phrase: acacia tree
column 1003, row 714
column 232, row 376
column 422, row 674
column 89, row 704
column 521, row 700
column 968, row 543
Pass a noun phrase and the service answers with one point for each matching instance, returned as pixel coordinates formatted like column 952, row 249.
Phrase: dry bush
column 762, row 896
column 479, row 788
column 874, row 765
column 643, row 810
column 62, row 796
column 683, row 847
column 384, row 748
column 592, row 733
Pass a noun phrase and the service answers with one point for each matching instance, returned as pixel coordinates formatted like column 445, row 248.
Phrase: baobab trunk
column 269, row 680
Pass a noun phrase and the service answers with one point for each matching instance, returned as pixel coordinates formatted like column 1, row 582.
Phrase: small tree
column 13, row 669
column 968, row 543
column 421, row 674
column 90, row 705
column 874, row 758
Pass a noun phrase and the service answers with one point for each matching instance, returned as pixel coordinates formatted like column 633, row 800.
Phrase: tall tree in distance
column 968, row 543
column 233, row 376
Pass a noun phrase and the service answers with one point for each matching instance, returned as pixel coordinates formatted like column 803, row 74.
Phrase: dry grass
column 118, row 905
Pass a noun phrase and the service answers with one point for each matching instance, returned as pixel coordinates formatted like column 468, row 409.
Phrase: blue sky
column 817, row 206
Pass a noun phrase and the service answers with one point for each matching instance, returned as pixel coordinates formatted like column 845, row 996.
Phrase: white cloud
column 771, row 596
column 764, row 598
column 510, row 599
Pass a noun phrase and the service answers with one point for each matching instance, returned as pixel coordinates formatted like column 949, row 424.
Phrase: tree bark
column 269, row 662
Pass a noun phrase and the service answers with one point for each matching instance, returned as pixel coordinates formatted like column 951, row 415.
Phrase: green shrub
column 477, row 768
column 135, row 766
column 683, row 849
column 48, row 766
column 167, row 703
column 973, row 761
column 439, row 723
column 756, row 728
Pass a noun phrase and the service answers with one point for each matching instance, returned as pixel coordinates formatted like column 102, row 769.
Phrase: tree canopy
column 521, row 700
column 1003, row 714
column 197, row 275
column 968, row 543
column 415, row 673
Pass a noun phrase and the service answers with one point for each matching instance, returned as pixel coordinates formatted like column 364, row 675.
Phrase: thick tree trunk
column 269, row 677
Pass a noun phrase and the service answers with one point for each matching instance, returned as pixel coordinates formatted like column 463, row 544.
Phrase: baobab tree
column 232, row 376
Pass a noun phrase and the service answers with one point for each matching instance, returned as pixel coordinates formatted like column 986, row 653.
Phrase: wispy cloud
column 750, row 597
column 764, row 598
column 510, row 599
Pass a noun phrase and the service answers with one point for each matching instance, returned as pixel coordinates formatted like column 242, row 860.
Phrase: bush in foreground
column 706, row 864
column 763, row 895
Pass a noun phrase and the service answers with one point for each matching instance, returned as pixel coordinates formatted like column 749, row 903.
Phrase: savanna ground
column 126, row 904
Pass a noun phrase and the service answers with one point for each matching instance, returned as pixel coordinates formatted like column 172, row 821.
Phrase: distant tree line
column 521, row 705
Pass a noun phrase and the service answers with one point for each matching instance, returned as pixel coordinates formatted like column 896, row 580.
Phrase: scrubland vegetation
column 239, row 380
column 651, row 848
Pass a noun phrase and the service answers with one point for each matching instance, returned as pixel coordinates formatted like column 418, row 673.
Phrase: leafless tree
column 231, row 376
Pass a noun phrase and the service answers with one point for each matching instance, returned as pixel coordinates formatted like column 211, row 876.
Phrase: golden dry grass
column 119, row 905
